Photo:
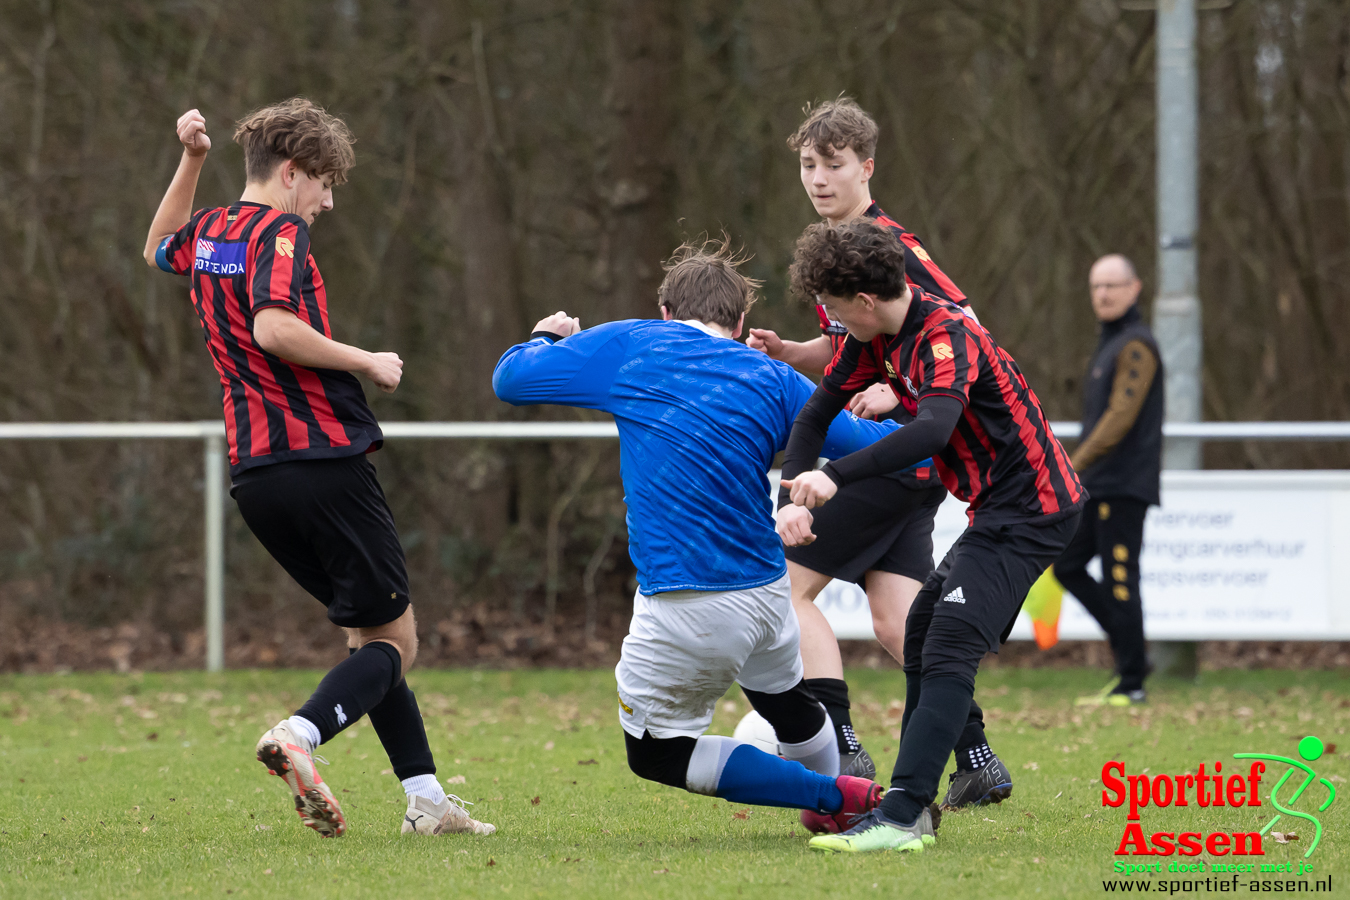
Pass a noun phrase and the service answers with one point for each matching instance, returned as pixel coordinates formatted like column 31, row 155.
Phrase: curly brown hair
column 702, row 283
column 835, row 125
column 295, row 129
column 859, row 257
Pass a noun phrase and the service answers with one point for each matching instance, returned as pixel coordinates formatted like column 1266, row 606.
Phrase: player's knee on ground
column 796, row 715
column 663, row 760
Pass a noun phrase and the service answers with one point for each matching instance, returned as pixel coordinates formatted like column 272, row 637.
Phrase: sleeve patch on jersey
column 942, row 351
column 921, row 253
column 285, row 247
column 221, row 257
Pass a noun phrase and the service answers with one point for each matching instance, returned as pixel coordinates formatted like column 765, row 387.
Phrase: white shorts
column 685, row 648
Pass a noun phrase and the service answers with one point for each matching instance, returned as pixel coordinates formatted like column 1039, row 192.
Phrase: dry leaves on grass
column 1284, row 837
column 660, row 871
column 741, row 814
column 587, row 762
column 455, row 779
column 534, row 801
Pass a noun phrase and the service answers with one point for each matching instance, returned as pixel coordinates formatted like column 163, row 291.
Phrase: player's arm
column 850, row 373
column 1136, row 367
column 925, row 437
column 278, row 331
column 176, row 208
column 281, row 326
column 562, row 364
column 810, row 356
column 948, row 361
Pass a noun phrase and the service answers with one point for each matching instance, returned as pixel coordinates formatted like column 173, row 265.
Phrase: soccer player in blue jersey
column 700, row 418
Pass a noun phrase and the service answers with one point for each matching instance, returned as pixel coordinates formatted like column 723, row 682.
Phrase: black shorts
column 968, row 605
column 326, row 521
column 877, row 524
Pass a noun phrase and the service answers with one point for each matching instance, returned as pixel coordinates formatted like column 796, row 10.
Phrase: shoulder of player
column 944, row 321
column 274, row 221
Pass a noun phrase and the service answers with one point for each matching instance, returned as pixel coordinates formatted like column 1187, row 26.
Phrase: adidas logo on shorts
column 955, row 597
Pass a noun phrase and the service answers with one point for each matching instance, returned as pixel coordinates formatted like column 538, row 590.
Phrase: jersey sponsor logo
column 942, row 351
column 221, row 257
column 956, row 596
column 285, row 247
column 341, row 716
column 890, row 369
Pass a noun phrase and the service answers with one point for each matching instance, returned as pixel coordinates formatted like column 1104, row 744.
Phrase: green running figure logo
column 1310, row 748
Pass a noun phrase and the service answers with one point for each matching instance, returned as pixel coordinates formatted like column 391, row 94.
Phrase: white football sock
column 424, row 786
column 306, row 729
column 819, row 754
column 706, row 764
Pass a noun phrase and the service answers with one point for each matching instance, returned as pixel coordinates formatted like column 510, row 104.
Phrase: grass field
column 145, row 786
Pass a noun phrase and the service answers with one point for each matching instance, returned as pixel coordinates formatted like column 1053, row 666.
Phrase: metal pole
column 1176, row 313
column 215, row 552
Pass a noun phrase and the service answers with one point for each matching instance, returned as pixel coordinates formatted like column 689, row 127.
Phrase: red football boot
column 861, row 795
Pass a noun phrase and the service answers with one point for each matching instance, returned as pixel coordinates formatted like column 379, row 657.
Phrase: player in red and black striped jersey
column 975, row 415
column 878, row 532
column 299, row 430
column 244, row 259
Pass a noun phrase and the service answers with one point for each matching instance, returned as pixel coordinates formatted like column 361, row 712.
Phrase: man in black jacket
column 1119, row 461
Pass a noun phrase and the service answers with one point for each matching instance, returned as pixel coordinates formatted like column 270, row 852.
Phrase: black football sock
column 971, row 758
column 833, row 695
column 925, row 746
column 353, row 688
column 971, row 746
column 398, row 724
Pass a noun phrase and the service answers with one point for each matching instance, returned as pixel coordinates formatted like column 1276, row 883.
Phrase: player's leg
column 683, row 650
column 1120, row 537
column 328, row 524
column 858, row 527
column 980, row 776
column 991, row 571
column 822, row 664
column 1071, row 571
column 890, row 595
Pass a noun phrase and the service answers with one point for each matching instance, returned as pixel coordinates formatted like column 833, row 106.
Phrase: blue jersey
column 700, row 418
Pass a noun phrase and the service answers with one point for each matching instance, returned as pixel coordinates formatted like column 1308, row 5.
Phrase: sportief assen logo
column 1215, row 789
column 221, row 257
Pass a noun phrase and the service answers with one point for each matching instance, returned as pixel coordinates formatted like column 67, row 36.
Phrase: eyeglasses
column 1110, row 285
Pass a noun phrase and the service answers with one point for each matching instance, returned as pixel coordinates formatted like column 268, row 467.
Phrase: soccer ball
column 755, row 729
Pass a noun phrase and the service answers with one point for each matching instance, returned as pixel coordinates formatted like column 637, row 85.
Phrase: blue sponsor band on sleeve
column 162, row 256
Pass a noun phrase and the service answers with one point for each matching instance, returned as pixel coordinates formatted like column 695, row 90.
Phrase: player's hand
column 386, row 370
column 559, row 323
column 794, row 526
column 874, row 402
column 192, row 133
column 765, row 340
column 811, row 489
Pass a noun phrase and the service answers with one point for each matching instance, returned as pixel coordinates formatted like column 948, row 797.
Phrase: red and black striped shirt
column 242, row 259
column 1002, row 458
column 920, row 271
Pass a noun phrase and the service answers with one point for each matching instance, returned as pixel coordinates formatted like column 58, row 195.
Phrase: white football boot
column 290, row 757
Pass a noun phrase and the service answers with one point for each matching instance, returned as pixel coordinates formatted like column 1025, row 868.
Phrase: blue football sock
column 742, row 773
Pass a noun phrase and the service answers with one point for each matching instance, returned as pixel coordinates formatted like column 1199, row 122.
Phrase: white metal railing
column 212, row 436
